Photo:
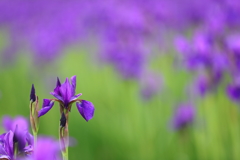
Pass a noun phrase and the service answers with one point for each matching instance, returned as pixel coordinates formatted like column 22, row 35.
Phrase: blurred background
column 163, row 75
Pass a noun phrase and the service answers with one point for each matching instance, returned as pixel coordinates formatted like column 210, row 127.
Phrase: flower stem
column 35, row 140
column 65, row 154
column 63, row 139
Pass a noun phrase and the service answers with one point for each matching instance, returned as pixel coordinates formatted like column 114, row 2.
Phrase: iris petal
column 73, row 82
column 86, row 109
column 47, row 105
column 57, row 96
column 75, row 97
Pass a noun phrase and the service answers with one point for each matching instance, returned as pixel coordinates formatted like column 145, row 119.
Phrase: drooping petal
column 2, row 156
column 86, row 109
column 29, row 138
column 28, row 150
column 47, row 105
column 75, row 97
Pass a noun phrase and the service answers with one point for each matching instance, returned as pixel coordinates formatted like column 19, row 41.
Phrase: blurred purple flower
column 184, row 115
column 65, row 94
column 19, row 126
column 7, row 145
column 46, row 149
column 233, row 90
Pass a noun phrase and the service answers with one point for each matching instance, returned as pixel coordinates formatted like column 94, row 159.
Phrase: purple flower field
column 150, row 79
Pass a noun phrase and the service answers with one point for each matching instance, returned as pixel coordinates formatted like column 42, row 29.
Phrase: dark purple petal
column 58, row 85
column 233, row 92
column 47, row 105
column 32, row 94
column 86, row 109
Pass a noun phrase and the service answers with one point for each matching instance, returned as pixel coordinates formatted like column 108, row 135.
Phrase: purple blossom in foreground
column 6, row 145
column 65, row 94
column 17, row 139
column 46, row 149
column 19, row 126
column 184, row 116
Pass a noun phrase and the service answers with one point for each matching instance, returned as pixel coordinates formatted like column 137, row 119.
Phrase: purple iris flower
column 233, row 90
column 184, row 115
column 6, row 145
column 51, row 152
column 65, row 95
column 19, row 126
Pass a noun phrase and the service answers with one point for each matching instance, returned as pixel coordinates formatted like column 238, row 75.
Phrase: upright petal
column 47, row 105
column 73, row 81
column 66, row 91
column 8, row 140
column 86, row 109
column 7, row 123
column 57, row 88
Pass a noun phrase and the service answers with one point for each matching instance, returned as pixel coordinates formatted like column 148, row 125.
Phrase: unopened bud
column 34, row 111
column 63, row 120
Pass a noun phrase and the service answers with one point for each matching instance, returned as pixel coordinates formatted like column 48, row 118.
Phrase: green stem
column 35, row 139
column 15, row 150
column 63, row 140
column 65, row 154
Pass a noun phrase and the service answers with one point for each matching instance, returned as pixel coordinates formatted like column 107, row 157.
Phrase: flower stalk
column 34, row 108
column 64, row 134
